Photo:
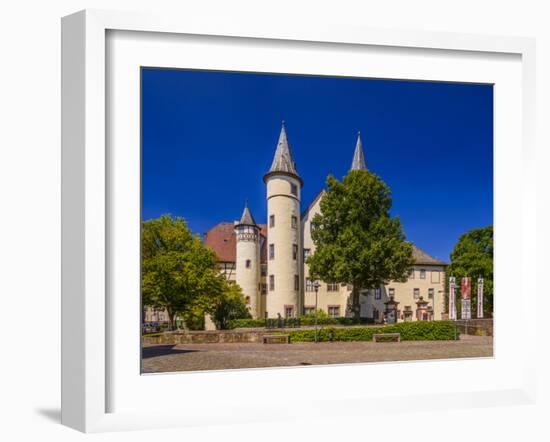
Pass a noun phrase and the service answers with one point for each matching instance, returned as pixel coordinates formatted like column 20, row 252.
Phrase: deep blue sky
column 209, row 137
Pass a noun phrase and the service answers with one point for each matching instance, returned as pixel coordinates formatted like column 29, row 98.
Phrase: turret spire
column 246, row 217
column 358, row 162
column 283, row 161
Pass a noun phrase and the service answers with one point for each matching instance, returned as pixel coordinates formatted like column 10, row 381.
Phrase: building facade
column 268, row 260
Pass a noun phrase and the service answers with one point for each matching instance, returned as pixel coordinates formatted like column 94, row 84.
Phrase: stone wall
column 476, row 327
column 205, row 337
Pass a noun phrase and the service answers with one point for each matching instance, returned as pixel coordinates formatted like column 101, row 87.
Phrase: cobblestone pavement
column 192, row 357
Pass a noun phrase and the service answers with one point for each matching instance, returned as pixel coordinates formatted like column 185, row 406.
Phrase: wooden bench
column 376, row 336
column 276, row 339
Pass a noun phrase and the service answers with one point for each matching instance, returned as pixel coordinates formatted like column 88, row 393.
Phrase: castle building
column 268, row 260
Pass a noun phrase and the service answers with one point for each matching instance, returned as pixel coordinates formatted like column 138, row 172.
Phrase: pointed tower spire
column 283, row 161
column 358, row 162
column 246, row 217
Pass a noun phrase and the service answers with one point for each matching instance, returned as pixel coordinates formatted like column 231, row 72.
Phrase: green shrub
column 246, row 323
column 410, row 331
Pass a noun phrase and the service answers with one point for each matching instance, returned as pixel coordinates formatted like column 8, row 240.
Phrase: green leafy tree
column 473, row 256
column 231, row 305
column 357, row 241
column 193, row 318
column 178, row 272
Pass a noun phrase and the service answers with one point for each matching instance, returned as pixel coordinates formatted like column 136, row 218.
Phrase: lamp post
column 316, row 288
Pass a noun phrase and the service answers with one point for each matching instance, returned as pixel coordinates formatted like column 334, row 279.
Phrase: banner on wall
column 480, row 297
column 452, row 300
column 466, row 290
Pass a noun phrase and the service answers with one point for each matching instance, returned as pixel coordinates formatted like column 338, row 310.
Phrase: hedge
column 246, row 323
column 410, row 331
column 303, row 321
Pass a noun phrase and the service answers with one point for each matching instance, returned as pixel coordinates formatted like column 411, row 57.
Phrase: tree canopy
column 178, row 272
column 473, row 256
column 357, row 241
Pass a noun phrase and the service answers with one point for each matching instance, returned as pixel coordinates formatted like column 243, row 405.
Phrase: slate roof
column 247, row 218
column 283, row 162
column 422, row 258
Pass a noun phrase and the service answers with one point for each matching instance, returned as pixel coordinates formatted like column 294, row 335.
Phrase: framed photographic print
column 249, row 214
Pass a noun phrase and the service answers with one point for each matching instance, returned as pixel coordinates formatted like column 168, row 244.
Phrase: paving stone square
column 194, row 357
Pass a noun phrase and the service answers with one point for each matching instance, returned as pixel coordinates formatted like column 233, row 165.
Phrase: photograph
column 301, row 220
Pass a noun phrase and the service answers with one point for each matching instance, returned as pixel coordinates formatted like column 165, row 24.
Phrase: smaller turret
column 248, row 260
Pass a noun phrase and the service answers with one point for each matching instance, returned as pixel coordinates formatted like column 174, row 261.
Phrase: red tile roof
column 221, row 238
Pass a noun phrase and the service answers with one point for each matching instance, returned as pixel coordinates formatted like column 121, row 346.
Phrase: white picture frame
column 87, row 207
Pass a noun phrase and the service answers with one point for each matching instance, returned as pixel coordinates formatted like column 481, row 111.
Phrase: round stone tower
column 248, row 260
column 283, row 233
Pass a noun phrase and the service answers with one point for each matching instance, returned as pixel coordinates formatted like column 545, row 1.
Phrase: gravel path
column 193, row 357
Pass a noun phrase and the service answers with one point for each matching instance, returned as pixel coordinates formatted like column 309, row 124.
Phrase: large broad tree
column 473, row 256
column 357, row 241
column 178, row 272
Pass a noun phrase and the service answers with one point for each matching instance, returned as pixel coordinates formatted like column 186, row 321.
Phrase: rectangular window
column 271, row 283
column 309, row 285
column 271, row 220
column 416, row 293
column 333, row 287
column 377, row 294
column 392, row 292
column 307, row 252
column 294, row 251
column 263, row 270
column 294, row 189
column 248, row 263
column 431, row 293
column 334, row 311
column 435, row 276
column 308, row 310
column 296, row 282
column 422, row 274
column 271, row 251
column 293, row 222
column 289, row 311
column 264, row 288
column 411, row 276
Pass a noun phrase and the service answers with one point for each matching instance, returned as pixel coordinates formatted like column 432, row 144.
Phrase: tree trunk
column 171, row 319
column 355, row 303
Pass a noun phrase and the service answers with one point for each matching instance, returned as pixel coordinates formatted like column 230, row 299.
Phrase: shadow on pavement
column 162, row 350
